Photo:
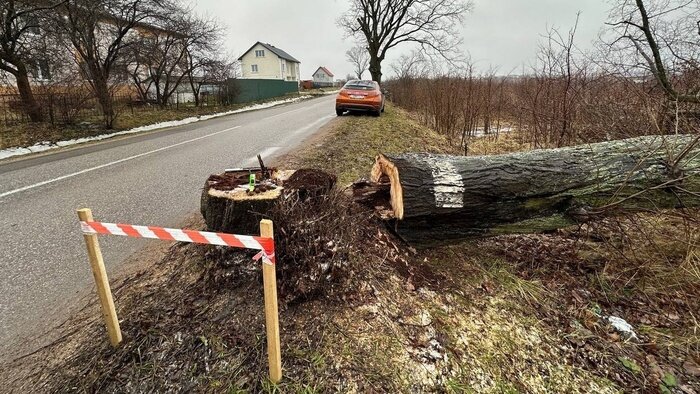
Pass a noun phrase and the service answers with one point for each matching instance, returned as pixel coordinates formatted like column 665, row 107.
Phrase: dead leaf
column 691, row 367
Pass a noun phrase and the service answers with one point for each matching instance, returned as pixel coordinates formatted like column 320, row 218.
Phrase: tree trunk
column 32, row 108
column 228, row 207
column 375, row 68
column 104, row 98
column 195, row 91
column 235, row 213
column 434, row 199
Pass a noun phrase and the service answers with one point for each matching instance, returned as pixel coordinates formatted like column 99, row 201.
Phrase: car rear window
column 360, row 85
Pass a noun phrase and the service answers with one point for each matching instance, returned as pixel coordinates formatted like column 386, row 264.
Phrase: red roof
column 325, row 70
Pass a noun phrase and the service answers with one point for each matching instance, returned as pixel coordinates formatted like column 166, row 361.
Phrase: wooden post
column 272, row 324
column 101, row 281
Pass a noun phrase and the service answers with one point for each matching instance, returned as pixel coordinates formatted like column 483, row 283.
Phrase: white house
column 55, row 66
column 265, row 61
column 323, row 77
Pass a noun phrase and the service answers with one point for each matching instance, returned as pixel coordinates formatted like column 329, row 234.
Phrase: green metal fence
column 248, row 90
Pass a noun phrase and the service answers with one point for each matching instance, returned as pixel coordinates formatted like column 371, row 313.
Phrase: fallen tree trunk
column 434, row 199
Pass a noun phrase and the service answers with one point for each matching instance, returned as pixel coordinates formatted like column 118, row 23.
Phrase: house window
column 259, row 53
column 41, row 70
column 254, row 68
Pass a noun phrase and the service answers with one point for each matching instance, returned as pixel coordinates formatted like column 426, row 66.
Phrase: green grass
column 355, row 140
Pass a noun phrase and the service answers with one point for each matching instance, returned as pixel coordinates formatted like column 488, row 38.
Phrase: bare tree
column 384, row 24
column 408, row 65
column 99, row 32
column 166, row 51
column 204, row 61
column 183, row 48
column 215, row 71
column 664, row 34
column 185, row 44
column 557, row 76
column 359, row 58
column 140, row 58
column 19, row 29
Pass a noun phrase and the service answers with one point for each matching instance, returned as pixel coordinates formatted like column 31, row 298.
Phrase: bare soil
column 310, row 178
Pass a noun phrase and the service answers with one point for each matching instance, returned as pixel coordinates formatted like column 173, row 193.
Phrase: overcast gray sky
column 502, row 33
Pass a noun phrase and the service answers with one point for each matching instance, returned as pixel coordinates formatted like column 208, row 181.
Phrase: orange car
column 359, row 95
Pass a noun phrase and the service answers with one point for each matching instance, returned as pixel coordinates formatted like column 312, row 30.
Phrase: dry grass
column 498, row 144
column 27, row 134
column 656, row 267
column 503, row 315
column 353, row 142
column 638, row 268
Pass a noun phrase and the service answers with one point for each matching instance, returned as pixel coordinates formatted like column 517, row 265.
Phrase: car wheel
column 339, row 112
column 377, row 113
column 382, row 108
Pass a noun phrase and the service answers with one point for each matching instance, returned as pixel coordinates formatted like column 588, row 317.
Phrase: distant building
column 265, row 61
column 323, row 77
column 62, row 70
column 307, row 84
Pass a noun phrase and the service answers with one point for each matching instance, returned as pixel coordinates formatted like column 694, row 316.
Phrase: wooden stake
column 272, row 324
column 100, row 275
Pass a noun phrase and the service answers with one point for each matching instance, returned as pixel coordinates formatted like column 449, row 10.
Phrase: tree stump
column 228, row 205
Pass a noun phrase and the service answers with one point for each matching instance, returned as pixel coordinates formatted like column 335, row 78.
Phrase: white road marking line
column 296, row 110
column 269, row 151
column 314, row 124
column 71, row 175
column 285, row 113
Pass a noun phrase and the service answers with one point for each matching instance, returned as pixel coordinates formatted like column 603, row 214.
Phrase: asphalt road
column 150, row 179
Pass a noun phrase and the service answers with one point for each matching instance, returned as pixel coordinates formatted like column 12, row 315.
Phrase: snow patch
column 326, row 93
column 622, row 326
column 46, row 145
column 481, row 132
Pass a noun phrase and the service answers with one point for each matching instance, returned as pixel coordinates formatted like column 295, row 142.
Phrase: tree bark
column 436, row 199
column 228, row 208
column 32, row 108
column 226, row 214
column 375, row 68
column 195, row 90
column 104, row 98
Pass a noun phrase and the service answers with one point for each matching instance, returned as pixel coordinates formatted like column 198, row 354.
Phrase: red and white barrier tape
column 266, row 246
